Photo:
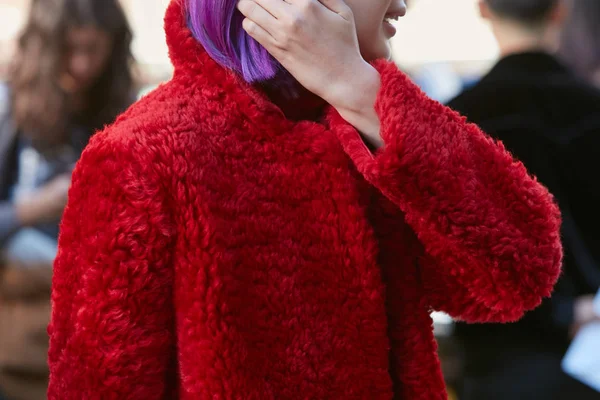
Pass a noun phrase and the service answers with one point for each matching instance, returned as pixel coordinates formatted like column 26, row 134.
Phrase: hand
column 583, row 313
column 316, row 42
column 47, row 204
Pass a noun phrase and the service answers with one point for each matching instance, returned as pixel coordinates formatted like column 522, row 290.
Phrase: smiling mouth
column 390, row 18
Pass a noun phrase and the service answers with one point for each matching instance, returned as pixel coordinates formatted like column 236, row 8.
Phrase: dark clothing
column 8, row 161
column 550, row 121
column 524, row 374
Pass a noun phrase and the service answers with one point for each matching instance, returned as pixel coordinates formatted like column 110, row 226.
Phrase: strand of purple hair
column 217, row 25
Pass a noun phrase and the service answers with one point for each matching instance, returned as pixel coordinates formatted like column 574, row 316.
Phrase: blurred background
column 435, row 40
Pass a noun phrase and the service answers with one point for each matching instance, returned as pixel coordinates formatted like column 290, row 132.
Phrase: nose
column 403, row 7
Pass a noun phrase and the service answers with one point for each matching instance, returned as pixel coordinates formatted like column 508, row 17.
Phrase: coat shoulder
column 155, row 127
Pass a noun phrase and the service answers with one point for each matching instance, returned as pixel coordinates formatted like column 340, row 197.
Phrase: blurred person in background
column 580, row 49
column 549, row 119
column 71, row 76
column 580, row 40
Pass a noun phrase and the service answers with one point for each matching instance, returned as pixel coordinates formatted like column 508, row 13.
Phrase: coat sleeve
column 490, row 231
column 111, row 333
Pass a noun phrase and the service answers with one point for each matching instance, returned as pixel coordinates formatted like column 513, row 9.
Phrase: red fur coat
column 213, row 249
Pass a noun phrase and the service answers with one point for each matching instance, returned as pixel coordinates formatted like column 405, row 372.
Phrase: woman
column 243, row 241
column 71, row 75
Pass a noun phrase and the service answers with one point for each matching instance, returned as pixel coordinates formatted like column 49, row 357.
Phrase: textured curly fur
column 213, row 249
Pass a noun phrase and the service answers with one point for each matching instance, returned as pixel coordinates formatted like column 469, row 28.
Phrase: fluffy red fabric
column 213, row 249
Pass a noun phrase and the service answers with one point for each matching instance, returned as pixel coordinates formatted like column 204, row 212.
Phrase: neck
column 303, row 106
column 513, row 38
column 78, row 101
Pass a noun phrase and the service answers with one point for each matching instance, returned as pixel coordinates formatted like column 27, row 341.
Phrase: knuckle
column 283, row 41
column 295, row 22
column 249, row 26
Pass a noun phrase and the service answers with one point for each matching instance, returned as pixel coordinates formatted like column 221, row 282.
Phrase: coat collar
column 195, row 68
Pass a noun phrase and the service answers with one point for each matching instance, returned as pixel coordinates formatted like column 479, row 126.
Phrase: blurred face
column 88, row 52
column 373, row 25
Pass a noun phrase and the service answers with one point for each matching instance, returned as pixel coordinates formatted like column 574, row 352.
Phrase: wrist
column 367, row 123
column 357, row 94
column 357, row 104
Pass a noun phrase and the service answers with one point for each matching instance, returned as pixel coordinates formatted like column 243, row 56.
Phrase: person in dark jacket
column 580, row 39
column 71, row 76
column 549, row 120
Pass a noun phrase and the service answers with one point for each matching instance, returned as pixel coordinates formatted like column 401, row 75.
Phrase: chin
column 385, row 54
column 382, row 53
column 384, row 50
column 389, row 55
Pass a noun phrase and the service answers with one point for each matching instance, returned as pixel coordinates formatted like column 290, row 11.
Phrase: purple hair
column 217, row 25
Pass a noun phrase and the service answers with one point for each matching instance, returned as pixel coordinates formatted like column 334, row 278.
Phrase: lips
column 393, row 15
column 390, row 30
column 388, row 21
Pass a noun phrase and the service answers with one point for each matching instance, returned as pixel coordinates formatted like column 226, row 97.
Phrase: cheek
column 367, row 29
column 369, row 16
column 371, row 38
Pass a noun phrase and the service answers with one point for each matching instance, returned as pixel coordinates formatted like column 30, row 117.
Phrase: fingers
column 271, row 14
column 336, row 6
column 259, row 34
column 259, row 17
column 277, row 8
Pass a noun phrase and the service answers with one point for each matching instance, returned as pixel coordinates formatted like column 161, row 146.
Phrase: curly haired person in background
column 71, row 75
